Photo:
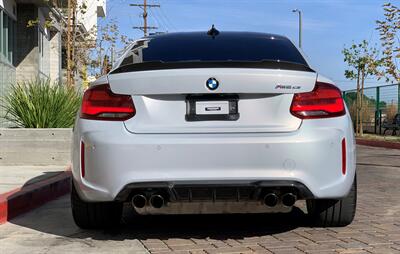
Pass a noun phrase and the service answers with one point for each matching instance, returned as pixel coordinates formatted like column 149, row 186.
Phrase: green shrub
column 41, row 104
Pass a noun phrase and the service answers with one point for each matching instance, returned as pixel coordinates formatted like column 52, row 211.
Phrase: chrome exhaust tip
column 139, row 201
column 271, row 199
column 157, row 201
column 289, row 199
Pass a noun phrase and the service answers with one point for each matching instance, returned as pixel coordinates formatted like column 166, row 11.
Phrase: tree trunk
column 358, row 104
column 73, row 41
column 71, row 23
column 69, row 38
column 362, row 102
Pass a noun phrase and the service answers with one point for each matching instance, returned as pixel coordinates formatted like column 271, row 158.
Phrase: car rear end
column 193, row 123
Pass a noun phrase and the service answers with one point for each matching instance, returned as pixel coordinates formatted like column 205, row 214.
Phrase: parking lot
column 376, row 229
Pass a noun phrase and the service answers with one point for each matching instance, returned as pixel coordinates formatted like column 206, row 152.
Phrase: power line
column 158, row 21
column 144, row 7
column 167, row 20
column 163, row 20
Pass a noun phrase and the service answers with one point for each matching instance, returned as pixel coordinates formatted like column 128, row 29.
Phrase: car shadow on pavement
column 220, row 227
column 55, row 218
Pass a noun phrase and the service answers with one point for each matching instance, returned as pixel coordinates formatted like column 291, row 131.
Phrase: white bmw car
column 213, row 122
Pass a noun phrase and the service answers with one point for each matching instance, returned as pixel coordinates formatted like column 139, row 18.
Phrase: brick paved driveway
column 376, row 228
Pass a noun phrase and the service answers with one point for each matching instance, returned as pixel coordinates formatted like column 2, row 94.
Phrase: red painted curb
column 378, row 143
column 24, row 199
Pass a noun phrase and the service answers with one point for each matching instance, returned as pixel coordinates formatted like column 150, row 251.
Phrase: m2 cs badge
column 287, row 87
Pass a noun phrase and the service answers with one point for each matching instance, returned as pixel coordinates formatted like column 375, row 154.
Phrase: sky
column 328, row 25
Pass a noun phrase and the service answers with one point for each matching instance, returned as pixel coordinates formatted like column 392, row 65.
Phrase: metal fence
column 380, row 106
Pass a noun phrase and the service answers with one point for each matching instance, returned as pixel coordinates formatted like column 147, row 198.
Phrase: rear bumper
column 310, row 156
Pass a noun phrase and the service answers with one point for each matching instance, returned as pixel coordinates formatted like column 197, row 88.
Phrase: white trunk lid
column 231, row 80
column 264, row 99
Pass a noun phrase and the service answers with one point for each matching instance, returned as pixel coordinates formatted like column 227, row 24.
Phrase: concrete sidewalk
column 12, row 177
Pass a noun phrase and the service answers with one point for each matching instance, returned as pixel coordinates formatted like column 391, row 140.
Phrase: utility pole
column 300, row 25
column 144, row 6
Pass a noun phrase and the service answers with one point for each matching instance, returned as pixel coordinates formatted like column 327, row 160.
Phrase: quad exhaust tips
column 289, row 199
column 271, row 199
column 155, row 201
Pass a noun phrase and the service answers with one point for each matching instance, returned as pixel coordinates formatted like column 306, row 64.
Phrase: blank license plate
column 212, row 107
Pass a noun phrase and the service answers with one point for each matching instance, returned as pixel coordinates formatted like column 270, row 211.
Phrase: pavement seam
column 144, row 246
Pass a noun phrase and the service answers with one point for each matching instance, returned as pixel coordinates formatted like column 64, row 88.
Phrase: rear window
column 199, row 50
column 227, row 46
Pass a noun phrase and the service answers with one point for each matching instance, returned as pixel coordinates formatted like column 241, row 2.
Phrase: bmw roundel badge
column 212, row 84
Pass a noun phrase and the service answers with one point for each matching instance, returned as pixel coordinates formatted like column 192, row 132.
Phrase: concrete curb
column 378, row 143
column 24, row 199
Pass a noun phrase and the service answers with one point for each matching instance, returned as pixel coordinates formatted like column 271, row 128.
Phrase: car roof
column 225, row 34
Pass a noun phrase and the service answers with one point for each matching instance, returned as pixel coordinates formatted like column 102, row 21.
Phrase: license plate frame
column 192, row 101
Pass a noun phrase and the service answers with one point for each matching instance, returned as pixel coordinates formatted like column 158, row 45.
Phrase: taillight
column 323, row 102
column 100, row 103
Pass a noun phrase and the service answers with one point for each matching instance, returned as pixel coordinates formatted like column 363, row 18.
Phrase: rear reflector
column 100, row 103
column 82, row 159
column 323, row 102
column 343, row 156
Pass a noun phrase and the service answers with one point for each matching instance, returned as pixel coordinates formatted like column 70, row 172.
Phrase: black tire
column 334, row 213
column 95, row 215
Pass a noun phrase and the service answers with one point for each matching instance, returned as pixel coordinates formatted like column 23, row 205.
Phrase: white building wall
column 95, row 9
column 55, row 56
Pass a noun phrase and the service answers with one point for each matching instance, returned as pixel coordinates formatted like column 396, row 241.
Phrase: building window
column 5, row 34
column 42, row 38
column 7, row 37
column 10, row 39
column 1, row 33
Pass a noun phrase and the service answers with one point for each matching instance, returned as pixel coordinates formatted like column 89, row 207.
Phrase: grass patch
column 387, row 138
